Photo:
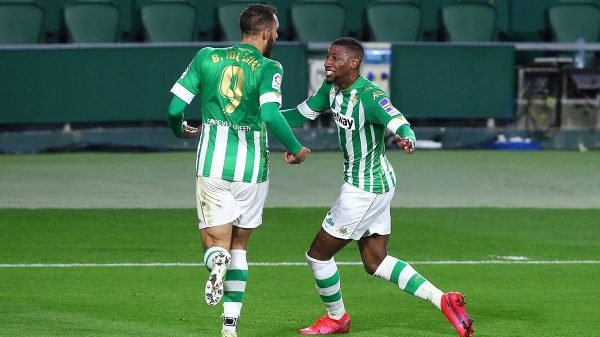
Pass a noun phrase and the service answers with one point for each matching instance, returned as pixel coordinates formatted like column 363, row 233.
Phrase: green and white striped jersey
column 361, row 112
column 233, row 84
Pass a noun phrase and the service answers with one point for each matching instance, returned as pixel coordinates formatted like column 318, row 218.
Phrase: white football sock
column 404, row 275
column 328, row 285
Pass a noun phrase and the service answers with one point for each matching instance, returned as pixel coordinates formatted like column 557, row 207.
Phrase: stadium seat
column 169, row 21
column 394, row 20
column 316, row 21
column 469, row 21
column 570, row 21
column 92, row 21
column 20, row 22
column 229, row 19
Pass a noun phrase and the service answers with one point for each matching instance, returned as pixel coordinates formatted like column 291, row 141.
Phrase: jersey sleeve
column 379, row 109
column 188, row 84
column 270, row 84
column 317, row 103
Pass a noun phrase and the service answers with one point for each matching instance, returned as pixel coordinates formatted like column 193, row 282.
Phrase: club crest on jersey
column 343, row 121
column 388, row 107
column 276, row 84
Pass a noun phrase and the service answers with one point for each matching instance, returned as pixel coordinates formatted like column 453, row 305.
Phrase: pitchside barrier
column 130, row 82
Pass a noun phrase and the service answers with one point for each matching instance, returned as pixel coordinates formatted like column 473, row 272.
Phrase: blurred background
column 488, row 74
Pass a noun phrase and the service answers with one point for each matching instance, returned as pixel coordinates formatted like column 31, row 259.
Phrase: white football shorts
column 220, row 202
column 357, row 213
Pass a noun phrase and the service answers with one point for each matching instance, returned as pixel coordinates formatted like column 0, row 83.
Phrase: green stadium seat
column 571, row 21
column 469, row 21
column 169, row 21
column 20, row 22
column 318, row 21
column 394, row 20
column 229, row 19
column 92, row 21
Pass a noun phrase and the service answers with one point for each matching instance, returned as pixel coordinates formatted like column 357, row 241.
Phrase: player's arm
column 379, row 108
column 176, row 122
column 184, row 91
column 270, row 101
column 406, row 139
column 269, row 112
column 293, row 117
column 311, row 108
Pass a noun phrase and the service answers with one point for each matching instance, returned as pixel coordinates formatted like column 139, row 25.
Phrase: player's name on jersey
column 343, row 121
column 239, row 57
column 244, row 128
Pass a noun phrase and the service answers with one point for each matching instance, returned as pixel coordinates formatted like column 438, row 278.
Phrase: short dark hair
column 256, row 17
column 352, row 44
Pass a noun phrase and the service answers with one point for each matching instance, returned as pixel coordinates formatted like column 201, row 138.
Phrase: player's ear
column 266, row 34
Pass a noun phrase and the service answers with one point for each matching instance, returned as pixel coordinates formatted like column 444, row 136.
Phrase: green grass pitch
column 505, row 299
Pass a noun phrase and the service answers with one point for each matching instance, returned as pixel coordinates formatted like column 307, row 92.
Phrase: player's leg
column 216, row 212
column 250, row 198
column 377, row 262
column 235, row 281
column 216, row 241
column 373, row 251
column 341, row 222
column 402, row 274
column 320, row 260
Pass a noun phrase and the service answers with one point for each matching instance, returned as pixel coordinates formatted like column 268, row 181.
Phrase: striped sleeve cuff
column 270, row 97
column 395, row 123
column 306, row 111
column 181, row 92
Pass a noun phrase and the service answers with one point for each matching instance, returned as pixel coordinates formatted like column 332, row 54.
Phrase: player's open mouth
column 329, row 72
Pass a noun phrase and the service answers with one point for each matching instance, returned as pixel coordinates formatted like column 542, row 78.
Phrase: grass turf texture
column 505, row 299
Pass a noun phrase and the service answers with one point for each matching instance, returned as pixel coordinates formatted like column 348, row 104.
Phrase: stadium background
column 97, row 218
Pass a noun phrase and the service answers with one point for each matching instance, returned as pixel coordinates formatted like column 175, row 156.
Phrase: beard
column 269, row 48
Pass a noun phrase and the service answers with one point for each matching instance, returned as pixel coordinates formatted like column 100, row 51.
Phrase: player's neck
column 254, row 41
column 346, row 83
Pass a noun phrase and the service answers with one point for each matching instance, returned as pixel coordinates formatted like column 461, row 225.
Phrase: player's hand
column 405, row 144
column 190, row 131
column 298, row 158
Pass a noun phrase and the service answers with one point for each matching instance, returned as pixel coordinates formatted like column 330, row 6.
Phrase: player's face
column 338, row 64
column 272, row 38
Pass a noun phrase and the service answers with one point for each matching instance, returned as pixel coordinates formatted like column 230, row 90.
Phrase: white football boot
column 214, row 286
column 229, row 328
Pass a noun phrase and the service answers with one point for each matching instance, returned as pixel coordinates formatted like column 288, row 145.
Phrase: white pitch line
column 282, row 264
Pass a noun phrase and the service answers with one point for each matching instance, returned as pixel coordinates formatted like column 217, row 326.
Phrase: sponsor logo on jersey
column 377, row 94
column 244, row 128
column 343, row 121
column 276, row 84
column 388, row 107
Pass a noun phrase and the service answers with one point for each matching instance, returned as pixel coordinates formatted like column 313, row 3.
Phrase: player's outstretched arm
column 293, row 117
column 176, row 122
column 270, row 114
column 406, row 139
